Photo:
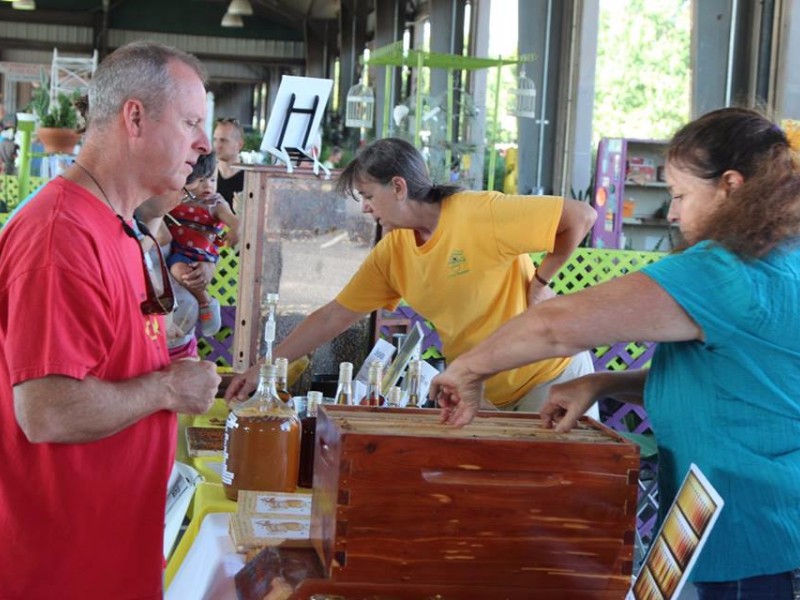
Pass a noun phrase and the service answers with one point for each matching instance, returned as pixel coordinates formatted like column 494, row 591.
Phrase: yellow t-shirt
column 469, row 278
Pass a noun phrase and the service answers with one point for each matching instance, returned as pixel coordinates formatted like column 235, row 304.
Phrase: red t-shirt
column 78, row 520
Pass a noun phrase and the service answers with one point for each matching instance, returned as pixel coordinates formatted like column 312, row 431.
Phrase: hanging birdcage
column 360, row 106
column 524, row 97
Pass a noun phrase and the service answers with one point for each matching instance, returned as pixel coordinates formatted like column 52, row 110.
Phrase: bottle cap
column 414, row 366
column 346, row 370
column 282, row 365
column 394, row 396
column 314, row 399
column 267, row 370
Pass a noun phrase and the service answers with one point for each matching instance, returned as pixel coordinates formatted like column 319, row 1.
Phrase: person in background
column 334, row 158
column 8, row 157
column 197, row 227
column 181, row 322
column 459, row 258
column 722, row 391
column 228, row 143
column 88, row 396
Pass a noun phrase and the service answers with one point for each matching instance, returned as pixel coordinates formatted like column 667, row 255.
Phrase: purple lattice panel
column 621, row 416
column 218, row 348
column 647, row 507
column 619, row 357
column 430, row 339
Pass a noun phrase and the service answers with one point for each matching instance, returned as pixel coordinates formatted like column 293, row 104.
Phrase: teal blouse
column 731, row 404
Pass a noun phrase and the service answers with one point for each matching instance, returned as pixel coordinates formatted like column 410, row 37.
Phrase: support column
column 573, row 165
column 320, row 37
column 389, row 27
column 447, row 36
column 540, row 27
column 721, row 42
column 273, row 83
column 352, row 25
column 476, row 131
column 787, row 88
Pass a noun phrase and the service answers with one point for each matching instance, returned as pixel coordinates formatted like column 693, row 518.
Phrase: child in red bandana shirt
column 197, row 226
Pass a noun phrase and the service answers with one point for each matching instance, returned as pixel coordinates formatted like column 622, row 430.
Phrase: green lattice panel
column 9, row 188
column 224, row 285
column 590, row 266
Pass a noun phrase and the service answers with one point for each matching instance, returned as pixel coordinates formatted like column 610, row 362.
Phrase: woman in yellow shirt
column 458, row 258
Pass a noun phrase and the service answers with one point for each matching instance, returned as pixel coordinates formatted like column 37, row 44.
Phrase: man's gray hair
column 137, row 70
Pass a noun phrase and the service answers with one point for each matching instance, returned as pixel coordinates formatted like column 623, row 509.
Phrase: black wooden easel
column 296, row 154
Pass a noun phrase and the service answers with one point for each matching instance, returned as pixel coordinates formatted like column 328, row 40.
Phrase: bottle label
column 232, row 422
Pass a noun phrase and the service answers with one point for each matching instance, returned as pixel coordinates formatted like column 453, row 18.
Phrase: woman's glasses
column 154, row 304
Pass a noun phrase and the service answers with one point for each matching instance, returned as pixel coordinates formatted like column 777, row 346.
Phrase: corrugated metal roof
column 41, row 32
column 278, row 50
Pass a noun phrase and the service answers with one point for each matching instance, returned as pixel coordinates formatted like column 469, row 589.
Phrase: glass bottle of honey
column 373, row 397
column 344, row 391
column 262, row 442
column 282, row 379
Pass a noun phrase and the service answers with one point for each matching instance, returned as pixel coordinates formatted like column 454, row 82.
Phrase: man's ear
column 731, row 180
column 133, row 113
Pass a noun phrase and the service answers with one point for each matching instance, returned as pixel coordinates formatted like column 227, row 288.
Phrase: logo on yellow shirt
column 151, row 327
column 457, row 263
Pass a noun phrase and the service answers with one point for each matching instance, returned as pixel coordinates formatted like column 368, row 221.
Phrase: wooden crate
column 401, row 500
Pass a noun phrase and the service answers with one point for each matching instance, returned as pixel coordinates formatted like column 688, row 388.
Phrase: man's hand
column 192, row 385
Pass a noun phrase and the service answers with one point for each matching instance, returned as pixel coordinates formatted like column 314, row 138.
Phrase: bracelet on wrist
column 539, row 278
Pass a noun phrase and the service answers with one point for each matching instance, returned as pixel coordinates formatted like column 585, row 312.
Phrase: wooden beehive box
column 400, row 499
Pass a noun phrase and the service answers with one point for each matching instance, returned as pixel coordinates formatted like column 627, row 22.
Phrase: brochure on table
column 680, row 540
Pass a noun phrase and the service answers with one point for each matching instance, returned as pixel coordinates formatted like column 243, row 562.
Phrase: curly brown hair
column 765, row 210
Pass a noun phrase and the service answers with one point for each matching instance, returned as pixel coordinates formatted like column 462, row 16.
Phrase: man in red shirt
column 88, row 397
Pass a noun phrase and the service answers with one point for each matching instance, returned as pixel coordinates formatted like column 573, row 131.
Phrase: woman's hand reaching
column 242, row 385
column 567, row 402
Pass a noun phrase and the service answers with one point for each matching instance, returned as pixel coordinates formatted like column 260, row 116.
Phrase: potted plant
column 57, row 122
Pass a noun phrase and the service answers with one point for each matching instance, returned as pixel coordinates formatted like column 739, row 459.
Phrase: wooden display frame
column 267, row 215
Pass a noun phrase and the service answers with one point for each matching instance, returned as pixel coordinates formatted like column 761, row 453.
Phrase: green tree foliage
column 642, row 81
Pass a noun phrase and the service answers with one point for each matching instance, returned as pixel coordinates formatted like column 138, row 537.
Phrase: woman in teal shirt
column 723, row 390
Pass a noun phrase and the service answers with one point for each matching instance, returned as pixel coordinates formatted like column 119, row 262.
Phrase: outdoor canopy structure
column 395, row 55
